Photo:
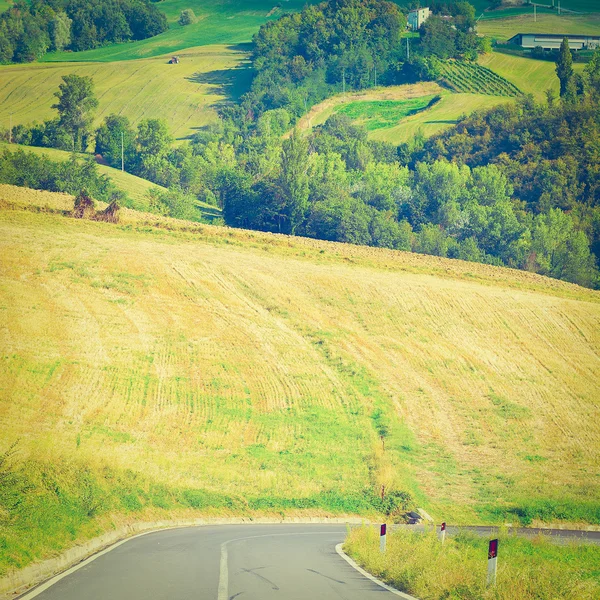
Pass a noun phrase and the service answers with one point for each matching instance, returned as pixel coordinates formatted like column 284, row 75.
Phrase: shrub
column 187, row 17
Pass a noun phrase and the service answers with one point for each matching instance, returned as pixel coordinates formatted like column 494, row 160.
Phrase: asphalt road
column 249, row 562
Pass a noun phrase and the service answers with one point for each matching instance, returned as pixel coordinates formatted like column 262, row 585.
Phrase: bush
column 187, row 17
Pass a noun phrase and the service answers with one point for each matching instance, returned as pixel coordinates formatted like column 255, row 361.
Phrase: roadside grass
column 531, row 76
column 184, row 95
column 528, row 569
column 506, row 27
column 240, row 371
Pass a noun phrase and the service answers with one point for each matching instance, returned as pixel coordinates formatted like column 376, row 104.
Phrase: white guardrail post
column 442, row 534
column 492, row 562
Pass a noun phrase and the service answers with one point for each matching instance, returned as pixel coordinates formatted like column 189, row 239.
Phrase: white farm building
column 417, row 17
column 552, row 41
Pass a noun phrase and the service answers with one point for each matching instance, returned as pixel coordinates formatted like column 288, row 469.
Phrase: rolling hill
column 184, row 95
column 264, row 371
column 395, row 114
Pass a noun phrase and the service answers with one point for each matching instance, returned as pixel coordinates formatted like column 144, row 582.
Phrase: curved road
column 249, row 562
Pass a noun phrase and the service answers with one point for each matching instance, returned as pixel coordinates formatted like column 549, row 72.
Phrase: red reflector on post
column 493, row 550
column 443, row 527
column 383, row 529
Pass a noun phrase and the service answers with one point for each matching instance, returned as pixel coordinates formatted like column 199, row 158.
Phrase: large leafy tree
column 76, row 106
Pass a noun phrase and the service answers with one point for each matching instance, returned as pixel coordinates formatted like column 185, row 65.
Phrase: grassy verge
column 47, row 506
column 418, row 564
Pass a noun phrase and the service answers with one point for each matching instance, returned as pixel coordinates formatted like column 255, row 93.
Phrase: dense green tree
column 564, row 70
column 76, row 105
column 294, row 179
column 112, row 137
column 60, row 31
column 28, row 30
column 560, row 251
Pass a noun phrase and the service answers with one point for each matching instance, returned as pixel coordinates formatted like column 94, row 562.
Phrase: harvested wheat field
column 267, row 368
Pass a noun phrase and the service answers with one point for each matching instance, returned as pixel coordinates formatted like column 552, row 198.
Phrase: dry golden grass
column 251, row 363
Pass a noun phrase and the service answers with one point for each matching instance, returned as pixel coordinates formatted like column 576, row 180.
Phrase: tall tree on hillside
column 60, row 31
column 76, row 105
column 294, row 179
column 564, row 70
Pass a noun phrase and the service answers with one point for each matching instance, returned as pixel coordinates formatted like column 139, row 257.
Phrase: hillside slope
column 267, row 367
column 184, row 95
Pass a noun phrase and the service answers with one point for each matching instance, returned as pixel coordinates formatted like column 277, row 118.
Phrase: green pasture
column 505, row 28
column 531, row 76
column 383, row 114
column 219, row 22
column 184, row 95
column 439, row 117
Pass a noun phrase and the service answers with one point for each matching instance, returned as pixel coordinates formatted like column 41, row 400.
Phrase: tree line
column 29, row 30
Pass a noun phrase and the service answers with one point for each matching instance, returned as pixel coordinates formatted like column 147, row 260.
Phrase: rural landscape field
column 302, row 260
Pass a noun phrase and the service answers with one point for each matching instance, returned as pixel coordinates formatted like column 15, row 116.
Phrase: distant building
column 417, row 17
column 552, row 41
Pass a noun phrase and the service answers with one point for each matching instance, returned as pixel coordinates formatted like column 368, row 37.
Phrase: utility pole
column 407, row 48
column 10, row 130
column 559, row 7
column 535, row 13
column 122, row 152
column 375, row 67
column 344, row 80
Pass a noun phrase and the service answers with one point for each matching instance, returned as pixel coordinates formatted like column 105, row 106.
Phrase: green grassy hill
column 219, row 22
column 505, row 25
column 183, row 94
column 135, row 187
column 257, row 372
column 395, row 114
column 531, row 76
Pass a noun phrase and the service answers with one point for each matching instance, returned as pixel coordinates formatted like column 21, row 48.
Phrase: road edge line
column 364, row 573
column 42, row 587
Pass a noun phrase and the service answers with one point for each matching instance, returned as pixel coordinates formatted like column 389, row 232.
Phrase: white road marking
column 339, row 550
column 223, row 575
